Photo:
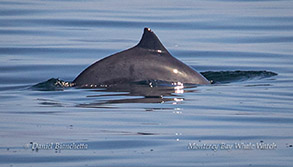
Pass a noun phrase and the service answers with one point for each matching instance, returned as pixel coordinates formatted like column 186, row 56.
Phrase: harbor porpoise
column 149, row 60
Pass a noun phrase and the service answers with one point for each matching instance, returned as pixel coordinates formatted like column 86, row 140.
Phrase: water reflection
column 138, row 93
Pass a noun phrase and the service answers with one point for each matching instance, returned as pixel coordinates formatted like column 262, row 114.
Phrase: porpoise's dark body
column 148, row 60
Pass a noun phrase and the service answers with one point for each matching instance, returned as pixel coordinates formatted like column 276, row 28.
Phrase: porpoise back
column 148, row 60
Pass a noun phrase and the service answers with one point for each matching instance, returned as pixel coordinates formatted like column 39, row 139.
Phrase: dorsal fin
column 149, row 40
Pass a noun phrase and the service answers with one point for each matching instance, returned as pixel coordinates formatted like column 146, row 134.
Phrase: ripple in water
column 216, row 77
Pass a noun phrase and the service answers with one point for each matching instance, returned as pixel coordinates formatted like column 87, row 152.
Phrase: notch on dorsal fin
column 149, row 40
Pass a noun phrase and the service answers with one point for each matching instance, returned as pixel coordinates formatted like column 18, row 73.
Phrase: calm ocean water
column 246, row 119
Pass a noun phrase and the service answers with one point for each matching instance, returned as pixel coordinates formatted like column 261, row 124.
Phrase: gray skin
column 148, row 60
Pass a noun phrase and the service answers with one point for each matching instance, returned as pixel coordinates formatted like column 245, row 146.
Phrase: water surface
column 225, row 40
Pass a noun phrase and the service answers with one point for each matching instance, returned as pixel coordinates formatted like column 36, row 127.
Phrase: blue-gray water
column 40, row 40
